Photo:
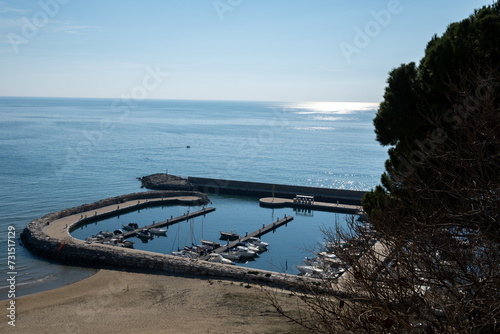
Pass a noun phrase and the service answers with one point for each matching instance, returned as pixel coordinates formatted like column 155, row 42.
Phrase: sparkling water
column 57, row 153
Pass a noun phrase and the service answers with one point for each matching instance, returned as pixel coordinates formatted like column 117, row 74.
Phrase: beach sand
column 126, row 302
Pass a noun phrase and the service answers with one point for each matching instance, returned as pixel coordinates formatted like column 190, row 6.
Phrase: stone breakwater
column 162, row 181
column 42, row 237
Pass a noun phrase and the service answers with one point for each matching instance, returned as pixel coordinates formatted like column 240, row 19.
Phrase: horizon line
column 184, row 99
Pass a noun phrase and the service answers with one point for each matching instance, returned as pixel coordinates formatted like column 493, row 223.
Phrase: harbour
column 272, row 224
column 61, row 181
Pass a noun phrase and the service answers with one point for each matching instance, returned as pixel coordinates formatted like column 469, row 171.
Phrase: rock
column 163, row 181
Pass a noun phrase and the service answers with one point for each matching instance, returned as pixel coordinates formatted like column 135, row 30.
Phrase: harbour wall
column 76, row 252
column 257, row 189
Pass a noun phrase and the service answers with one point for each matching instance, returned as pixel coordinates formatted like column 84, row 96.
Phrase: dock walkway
column 258, row 233
column 61, row 228
column 170, row 221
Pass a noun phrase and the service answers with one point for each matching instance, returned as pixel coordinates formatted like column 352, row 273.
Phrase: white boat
column 244, row 252
column 249, row 246
column 256, row 241
column 157, row 231
column 260, row 248
column 312, row 261
column 185, row 254
column 217, row 258
column 310, row 271
column 230, row 255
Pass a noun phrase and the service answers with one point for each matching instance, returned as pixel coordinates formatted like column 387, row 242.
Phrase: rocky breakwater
column 163, row 181
column 43, row 237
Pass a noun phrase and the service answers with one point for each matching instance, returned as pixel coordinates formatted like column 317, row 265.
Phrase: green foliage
column 423, row 104
column 372, row 200
column 397, row 120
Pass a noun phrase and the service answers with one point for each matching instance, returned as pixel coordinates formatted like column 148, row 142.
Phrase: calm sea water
column 57, row 153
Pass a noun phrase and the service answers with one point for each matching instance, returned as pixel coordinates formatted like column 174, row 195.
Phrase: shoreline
column 31, row 288
column 155, row 303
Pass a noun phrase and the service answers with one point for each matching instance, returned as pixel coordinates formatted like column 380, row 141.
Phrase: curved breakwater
column 49, row 237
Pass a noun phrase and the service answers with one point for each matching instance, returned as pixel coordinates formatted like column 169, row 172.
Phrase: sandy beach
column 126, row 302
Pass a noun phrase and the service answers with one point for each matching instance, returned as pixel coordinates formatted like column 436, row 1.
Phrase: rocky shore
column 163, row 181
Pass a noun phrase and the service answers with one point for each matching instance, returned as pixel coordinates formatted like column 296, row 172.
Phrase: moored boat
column 310, row 271
column 229, row 235
column 106, row 234
column 244, row 252
column 158, row 231
column 212, row 244
column 250, row 246
column 185, row 254
column 145, row 235
column 256, row 241
column 217, row 258
column 230, row 255
column 126, row 243
column 130, row 227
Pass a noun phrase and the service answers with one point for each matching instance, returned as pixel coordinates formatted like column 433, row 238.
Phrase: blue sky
column 268, row 50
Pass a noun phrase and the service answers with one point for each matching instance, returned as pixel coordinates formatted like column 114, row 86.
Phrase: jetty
column 308, row 202
column 171, row 221
column 209, row 186
column 261, row 231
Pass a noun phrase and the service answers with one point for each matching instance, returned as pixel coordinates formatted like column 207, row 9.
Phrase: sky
column 264, row 50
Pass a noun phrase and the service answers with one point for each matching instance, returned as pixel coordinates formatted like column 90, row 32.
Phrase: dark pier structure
column 169, row 222
column 163, row 181
column 258, row 233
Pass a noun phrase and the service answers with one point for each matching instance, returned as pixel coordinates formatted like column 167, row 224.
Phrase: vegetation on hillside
column 429, row 263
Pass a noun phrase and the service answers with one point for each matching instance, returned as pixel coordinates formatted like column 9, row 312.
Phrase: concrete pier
column 169, row 222
column 257, row 234
column 274, row 202
column 246, row 188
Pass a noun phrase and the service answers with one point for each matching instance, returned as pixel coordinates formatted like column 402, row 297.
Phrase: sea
column 57, row 153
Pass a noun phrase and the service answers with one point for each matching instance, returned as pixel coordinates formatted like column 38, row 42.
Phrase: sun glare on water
column 332, row 108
